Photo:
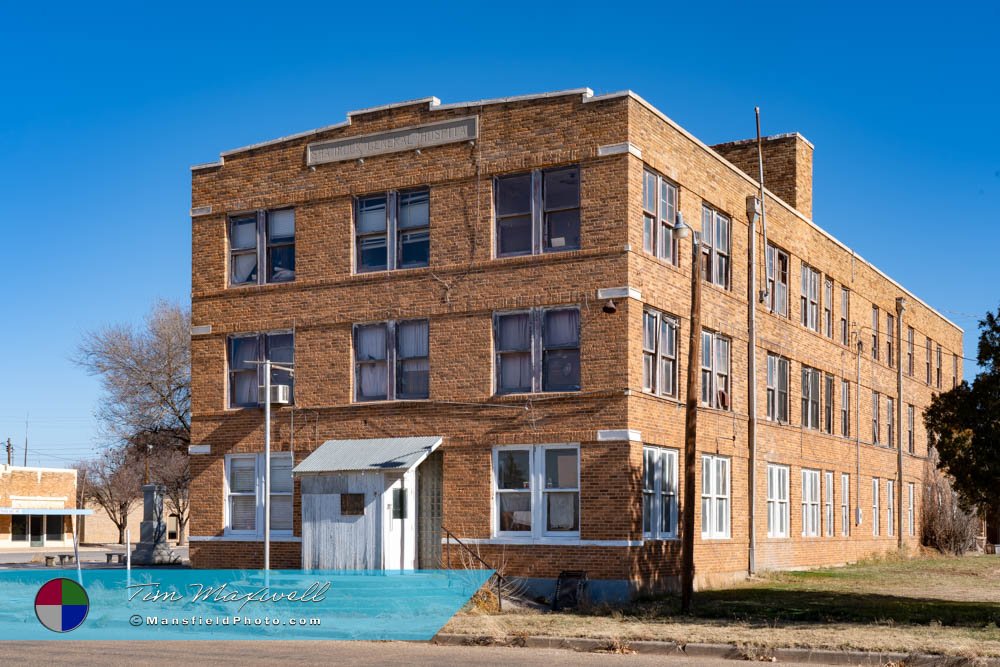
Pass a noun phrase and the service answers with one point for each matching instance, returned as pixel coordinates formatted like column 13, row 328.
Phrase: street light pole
column 267, row 465
column 691, row 427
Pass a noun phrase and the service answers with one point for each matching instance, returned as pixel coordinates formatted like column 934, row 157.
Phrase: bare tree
column 112, row 480
column 145, row 373
column 945, row 524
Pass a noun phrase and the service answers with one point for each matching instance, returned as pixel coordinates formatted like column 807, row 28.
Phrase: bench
column 112, row 556
column 50, row 561
column 65, row 558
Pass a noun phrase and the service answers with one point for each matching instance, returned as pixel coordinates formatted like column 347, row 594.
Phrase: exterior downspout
column 900, row 309
column 752, row 356
column 857, row 438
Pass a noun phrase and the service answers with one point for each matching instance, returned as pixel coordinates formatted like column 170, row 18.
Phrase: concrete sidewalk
column 91, row 555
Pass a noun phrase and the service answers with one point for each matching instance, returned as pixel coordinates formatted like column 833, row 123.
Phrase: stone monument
column 152, row 548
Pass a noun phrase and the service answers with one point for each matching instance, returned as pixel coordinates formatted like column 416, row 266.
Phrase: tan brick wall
column 462, row 288
column 49, row 483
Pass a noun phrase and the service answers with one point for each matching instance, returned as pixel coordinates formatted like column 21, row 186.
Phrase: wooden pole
column 691, row 428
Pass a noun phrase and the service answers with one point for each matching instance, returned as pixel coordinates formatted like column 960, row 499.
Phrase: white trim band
column 619, row 149
column 546, row 541
column 199, row 449
column 619, row 293
column 610, row 435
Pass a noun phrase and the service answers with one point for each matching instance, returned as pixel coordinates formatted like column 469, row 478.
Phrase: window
column 845, row 504
column 954, row 370
column 777, row 501
column 875, row 511
column 352, row 504
column 890, row 414
column 659, row 353
column 845, row 408
column 876, row 403
column 828, row 308
column 909, row 508
column 245, row 493
column 246, row 352
column 659, row 210
column 777, row 280
column 54, row 527
column 938, row 366
column 714, row 370
column 810, row 397
column 659, row 493
column 890, row 328
column 810, row 503
column 714, row 497
column 537, row 491
column 828, row 405
column 909, row 351
column 875, row 332
column 828, row 503
column 262, row 238
column 928, row 361
column 538, row 212
column 715, row 246
column 391, row 361
column 810, row 298
column 909, row 428
column 777, row 388
column 845, row 309
column 890, row 507
column 537, row 350
column 392, row 230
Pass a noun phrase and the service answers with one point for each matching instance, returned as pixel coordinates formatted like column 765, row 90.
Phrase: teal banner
column 232, row 604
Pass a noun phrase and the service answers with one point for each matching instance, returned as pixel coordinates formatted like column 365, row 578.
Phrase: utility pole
column 900, row 309
column 691, row 427
column 26, row 440
column 10, row 452
column 267, row 465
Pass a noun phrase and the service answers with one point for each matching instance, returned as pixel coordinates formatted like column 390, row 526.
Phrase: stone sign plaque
column 393, row 141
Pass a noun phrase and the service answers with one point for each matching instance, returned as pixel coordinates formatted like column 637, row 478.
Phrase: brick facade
column 612, row 139
column 23, row 488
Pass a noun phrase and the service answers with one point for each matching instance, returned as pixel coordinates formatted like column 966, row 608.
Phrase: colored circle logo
column 61, row 605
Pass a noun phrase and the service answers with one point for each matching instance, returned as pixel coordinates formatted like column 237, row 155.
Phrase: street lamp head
column 681, row 229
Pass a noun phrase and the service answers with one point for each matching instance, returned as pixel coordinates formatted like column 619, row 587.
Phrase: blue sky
column 103, row 109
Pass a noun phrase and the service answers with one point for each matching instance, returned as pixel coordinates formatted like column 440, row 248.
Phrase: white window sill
column 248, row 537
column 550, row 541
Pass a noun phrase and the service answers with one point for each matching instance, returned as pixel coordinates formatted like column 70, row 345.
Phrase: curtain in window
column 243, row 480
column 514, row 346
column 373, row 374
column 244, row 353
column 561, row 362
column 414, row 366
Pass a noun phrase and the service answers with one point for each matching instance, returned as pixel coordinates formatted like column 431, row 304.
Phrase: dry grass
column 931, row 605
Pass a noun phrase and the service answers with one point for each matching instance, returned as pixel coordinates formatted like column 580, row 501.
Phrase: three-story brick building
column 487, row 312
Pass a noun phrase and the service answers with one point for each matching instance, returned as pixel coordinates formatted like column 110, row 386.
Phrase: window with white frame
column 777, row 500
column 938, row 366
column 245, row 356
column 537, row 491
column 845, row 408
column 659, row 353
column 392, row 230
column 391, row 360
column 810, row 503
column 875, row 510
column 244, row 509
column 828, row 404
column 537, row 212
column 777, row 280
column 954, row 370
column 845, row 504
column 777, row 388
column 828, row 503
column 890, row 414
column 715, row 248
column 875, row 315
column 909, row 508
column 537, row 350
column 890, row 329
column 714, row 370
column 659, row 211
column 890, row 507
column 714, row 497
column 909, row 351
column 659, row 493
column 809, row 305
column 876, row 408
column 845, row 310
column 811, row 379
column 262, row 238
column 828, row 308
column 909, row 428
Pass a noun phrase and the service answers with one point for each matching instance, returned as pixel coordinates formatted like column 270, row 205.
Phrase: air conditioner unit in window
column 281, row 394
